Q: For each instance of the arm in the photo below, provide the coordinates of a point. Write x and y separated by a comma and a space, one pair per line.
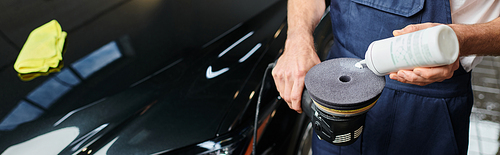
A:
479, 39
299, 55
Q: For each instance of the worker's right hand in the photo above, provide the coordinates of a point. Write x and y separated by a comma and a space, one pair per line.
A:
290, 70
423, 75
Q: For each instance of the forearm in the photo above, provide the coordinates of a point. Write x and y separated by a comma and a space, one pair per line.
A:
479, 39
303, 16
299, 54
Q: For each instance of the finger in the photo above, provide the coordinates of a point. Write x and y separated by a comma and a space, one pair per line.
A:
281, 88
394, 76
413, 28
405, 30
421, 83
399, 76
296, 94
435, 73
456, 65
278, 81
425, 75
397, 32
411, 77
288, 84
438, 73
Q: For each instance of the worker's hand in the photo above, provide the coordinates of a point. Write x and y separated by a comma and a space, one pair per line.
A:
423, 75
290, 70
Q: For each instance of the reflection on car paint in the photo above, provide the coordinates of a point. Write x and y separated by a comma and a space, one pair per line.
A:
222, 35
278, 32
42, 97
48, 93
97, 60
24, 112
156, 73
210, 145
250, 53
75, 111
67, 77
104, 150
86, 137
139, 137
211, 74
49, 143
236, 43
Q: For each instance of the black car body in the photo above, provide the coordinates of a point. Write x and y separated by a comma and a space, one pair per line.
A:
150, 77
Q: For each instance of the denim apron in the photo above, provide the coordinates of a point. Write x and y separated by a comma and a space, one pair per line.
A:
407, 119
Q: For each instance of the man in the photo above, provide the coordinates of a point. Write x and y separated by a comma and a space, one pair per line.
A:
421, 111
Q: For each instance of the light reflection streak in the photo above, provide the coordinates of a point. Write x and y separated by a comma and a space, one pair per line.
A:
251, 95
236, 94
67, 77
236, 43
252, 51
210, 145
279, 31
97, 60
75, 111
87, 136
156, 73
222, 35
48, 93
210, 74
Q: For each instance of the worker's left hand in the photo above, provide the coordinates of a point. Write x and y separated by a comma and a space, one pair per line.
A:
423, 75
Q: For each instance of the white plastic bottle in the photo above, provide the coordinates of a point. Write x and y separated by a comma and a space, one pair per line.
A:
435, 46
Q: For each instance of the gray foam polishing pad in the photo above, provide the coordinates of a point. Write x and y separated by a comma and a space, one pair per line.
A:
338, 84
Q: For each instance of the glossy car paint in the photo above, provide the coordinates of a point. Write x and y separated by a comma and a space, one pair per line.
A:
147, 77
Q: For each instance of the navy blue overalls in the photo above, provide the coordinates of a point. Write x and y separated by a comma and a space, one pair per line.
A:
407, 119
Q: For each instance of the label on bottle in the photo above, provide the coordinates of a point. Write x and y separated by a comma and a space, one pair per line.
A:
411, 50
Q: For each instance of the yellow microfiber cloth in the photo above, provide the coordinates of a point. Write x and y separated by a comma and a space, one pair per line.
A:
42, 50
31, 76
